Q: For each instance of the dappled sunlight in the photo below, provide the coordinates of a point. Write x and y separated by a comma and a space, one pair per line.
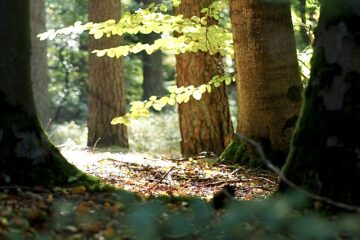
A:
152, 175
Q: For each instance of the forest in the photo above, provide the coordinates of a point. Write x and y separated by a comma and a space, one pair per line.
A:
179, 119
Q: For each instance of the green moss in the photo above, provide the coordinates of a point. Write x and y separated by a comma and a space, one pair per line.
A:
241, 153
323, 156
29, 159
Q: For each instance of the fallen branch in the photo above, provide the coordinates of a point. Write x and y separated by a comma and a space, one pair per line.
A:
162, 179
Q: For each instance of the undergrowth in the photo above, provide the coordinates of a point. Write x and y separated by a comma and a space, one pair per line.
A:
158, 134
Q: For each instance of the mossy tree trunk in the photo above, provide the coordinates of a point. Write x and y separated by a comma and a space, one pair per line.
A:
205, 125
325, 150
268, 81
106, 83
27, 157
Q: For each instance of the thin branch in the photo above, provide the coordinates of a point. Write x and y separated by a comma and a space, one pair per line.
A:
160, 181
275, 169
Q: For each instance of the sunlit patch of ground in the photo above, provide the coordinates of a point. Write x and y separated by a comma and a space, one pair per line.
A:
152, 175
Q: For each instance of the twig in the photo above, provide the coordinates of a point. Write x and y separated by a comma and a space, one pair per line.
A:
223, 182
256, 187
265, 179
161, 179
275, 169
236, 170
48, 125
96, 142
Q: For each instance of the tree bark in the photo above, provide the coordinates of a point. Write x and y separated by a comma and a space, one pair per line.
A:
106, 84
27, 157
152, 66
268, 81
303, 29
153, 80
39, 67
205, 125
324, 156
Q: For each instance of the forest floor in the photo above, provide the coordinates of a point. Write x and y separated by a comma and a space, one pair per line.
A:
151, 175
74, 213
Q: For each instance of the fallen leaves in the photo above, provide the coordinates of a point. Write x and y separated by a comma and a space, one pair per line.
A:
27, 211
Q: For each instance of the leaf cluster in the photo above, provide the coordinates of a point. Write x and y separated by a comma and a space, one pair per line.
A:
177, 95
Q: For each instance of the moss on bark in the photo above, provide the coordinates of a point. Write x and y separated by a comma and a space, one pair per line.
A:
325, 151
239, 152
27, 156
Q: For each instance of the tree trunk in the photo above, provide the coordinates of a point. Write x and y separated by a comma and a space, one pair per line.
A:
152, 66
27, 157
205, 125
303, 29
106, 84
153, 80
325, 155
268, 81
39, 67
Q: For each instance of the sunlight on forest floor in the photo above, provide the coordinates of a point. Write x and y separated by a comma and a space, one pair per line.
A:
153, 164
151, 175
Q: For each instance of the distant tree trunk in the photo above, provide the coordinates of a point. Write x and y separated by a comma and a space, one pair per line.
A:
325, 150
39, 67
106, 84
153, 83
303, 29
205, 125
268, 81
152, 66
27, 157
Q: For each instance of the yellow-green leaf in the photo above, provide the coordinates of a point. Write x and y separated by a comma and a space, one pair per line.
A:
228, 81
117, 120
157, 106
171, 101
153, 98
98, 34
180, 98
197, 95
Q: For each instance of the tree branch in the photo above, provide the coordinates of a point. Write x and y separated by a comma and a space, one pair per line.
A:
265, 160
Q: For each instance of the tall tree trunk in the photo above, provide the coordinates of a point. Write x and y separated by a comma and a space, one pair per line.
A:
325, 150
303, 29
39, 67
106, 84
268, 81
153, 80
27, 157
152, 66
205, 125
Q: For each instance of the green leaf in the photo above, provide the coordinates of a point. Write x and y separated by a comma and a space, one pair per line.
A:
180, 98
163, 8
197, 95
153, 98
157, 106
172, 89
98, 34
228, 81
208, 88
171, 101
117, 120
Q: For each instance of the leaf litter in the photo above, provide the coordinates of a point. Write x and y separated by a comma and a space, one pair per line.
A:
30, 212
